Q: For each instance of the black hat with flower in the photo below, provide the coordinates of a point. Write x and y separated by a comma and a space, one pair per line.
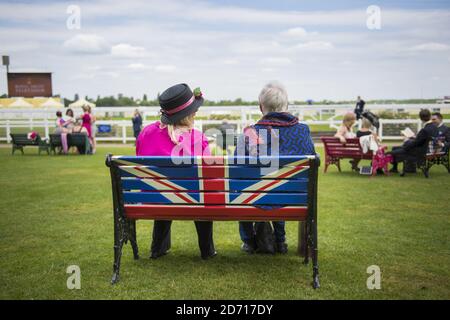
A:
178, 102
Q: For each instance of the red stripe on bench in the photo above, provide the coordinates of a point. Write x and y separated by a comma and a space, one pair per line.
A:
167, 185
215, 213
213, 185
284, 175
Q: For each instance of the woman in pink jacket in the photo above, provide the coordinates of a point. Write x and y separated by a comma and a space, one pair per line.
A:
175, 135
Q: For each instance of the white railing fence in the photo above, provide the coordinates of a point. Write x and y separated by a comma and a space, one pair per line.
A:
244, 113
121, 130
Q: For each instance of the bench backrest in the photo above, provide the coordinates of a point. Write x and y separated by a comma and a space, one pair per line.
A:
55, 139
214, 188
77, 139
352, 148
21, 139
72, 138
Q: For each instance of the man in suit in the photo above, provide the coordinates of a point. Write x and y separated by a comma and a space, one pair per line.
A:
443, 130
414, 149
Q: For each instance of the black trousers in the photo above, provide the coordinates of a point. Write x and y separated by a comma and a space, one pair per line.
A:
161, 237
401, 155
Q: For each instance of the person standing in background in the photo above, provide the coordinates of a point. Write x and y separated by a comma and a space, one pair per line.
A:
93, 130
359, 108
86, 123
137, 123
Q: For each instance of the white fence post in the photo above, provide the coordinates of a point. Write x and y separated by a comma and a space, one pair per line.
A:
47, 136
8, 132
380, 130
124, 133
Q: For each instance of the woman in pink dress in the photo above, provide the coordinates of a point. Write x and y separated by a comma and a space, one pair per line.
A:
86, 119
175, 135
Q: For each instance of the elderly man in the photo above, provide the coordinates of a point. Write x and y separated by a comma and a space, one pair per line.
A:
292, 138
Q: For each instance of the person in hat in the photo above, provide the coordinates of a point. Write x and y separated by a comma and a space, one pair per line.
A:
174, 135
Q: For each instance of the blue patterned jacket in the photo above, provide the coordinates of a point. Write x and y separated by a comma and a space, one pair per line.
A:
294, 138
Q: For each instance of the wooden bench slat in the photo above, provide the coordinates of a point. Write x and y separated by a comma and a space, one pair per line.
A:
215, 213
199, 198
300, 185
210, 172
163, 161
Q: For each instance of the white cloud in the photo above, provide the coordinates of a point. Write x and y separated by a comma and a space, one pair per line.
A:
87, 43
295, 33
268, 69
125, 50
165, 68
110, 74
315, 46
431, 46
230, 62
276, 61
138, 66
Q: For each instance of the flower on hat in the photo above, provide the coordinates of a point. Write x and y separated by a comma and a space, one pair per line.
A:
198, 93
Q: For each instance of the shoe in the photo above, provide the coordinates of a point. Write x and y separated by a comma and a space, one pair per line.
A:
210, 256
281, 247
156, 255
248, 248
393, 170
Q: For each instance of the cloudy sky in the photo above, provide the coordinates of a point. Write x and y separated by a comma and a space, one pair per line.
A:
318, 49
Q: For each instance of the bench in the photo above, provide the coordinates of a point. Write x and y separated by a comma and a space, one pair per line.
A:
20, 140
214, 189
78, 140
335, 151
437, 157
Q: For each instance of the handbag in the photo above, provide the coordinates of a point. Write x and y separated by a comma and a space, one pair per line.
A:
265, 238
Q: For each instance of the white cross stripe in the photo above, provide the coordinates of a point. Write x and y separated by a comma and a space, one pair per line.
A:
261, 184
158, 185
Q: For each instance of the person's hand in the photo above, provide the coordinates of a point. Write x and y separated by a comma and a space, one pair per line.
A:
342, 139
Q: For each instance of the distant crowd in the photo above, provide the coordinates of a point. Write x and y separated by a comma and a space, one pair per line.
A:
434, 136
68, 124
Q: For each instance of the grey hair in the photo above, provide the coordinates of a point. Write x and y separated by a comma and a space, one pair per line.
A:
273, 98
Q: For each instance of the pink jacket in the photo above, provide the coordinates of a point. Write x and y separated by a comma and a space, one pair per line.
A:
154, 141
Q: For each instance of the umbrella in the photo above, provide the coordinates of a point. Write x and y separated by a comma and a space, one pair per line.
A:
50, 103
20, 103
81, 102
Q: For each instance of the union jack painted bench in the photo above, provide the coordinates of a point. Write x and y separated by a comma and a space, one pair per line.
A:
214, 189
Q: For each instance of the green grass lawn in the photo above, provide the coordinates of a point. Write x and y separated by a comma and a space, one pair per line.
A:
56, 211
